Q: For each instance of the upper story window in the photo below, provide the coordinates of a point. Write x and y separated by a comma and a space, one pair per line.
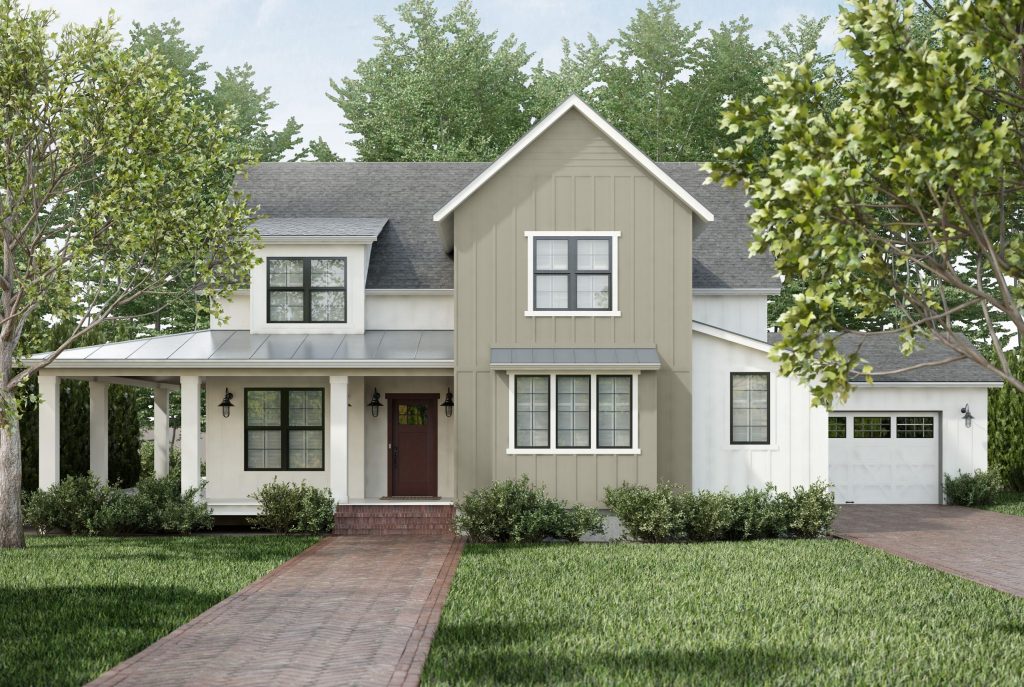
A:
573, 273
306, 290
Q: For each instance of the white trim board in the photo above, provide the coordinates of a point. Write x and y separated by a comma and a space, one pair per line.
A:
530, 277
732, 337
570, 103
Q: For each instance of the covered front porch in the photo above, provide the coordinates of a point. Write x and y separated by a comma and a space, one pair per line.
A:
369, 421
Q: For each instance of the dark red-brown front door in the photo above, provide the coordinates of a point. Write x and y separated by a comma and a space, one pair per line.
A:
412, 444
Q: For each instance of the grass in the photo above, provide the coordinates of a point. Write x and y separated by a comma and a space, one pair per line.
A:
768, 612
1009, 502
73, 607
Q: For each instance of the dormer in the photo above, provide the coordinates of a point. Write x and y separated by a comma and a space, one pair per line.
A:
311, 277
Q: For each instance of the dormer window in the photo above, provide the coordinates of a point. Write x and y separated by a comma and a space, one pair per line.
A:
573, 273
306, 290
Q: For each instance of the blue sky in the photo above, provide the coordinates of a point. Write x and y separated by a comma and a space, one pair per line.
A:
296, 46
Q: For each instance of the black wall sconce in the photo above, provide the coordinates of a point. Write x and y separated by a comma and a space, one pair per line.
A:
449, 403
226, 405
375, 403
966, 410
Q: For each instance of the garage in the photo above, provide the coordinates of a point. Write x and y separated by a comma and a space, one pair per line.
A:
885, 457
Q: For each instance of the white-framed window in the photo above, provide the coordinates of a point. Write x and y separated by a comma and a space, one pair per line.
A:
572, 273
573, 413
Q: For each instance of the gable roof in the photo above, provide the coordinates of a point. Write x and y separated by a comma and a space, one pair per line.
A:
409, 254
882, 351
574, 103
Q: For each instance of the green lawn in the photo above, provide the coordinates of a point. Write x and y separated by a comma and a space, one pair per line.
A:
769, 612
1009, 502
72, 607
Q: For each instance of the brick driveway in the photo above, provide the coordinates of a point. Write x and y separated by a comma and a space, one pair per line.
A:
347, 611
980, 545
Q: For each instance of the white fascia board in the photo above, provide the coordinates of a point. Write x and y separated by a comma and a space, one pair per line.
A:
570, 103
731, 337
410, 292
928, 385
172, 365
737, 292
333, 240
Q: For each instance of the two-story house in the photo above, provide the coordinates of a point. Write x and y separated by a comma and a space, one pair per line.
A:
572, 311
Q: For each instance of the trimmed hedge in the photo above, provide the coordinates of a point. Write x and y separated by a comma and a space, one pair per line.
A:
516, 511
81, 505
286, 507
669, 513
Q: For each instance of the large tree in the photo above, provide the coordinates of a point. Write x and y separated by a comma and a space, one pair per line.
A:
906, 196
112, 185
439, 88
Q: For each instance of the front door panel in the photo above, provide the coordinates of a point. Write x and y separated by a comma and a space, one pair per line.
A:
412, 424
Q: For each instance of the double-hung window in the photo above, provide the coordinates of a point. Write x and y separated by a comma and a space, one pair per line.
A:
306, 290
556, 413
572, 273
284, 429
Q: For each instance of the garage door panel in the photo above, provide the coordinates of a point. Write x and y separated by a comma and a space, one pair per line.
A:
885, 470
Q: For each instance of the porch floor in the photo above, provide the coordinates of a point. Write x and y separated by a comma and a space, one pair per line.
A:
356, 611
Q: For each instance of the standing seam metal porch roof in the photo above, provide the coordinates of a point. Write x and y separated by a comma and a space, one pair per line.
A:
229, 348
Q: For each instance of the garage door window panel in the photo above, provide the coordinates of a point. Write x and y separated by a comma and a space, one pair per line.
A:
869, 427
837, 427
918, 427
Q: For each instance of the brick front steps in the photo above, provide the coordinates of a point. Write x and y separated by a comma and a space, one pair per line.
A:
373, 519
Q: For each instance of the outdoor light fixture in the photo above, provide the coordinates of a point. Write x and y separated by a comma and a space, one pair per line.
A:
966, 410
375, 403
226, 405
449, 403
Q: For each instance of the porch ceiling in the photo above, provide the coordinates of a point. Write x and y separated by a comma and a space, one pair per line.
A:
221, 348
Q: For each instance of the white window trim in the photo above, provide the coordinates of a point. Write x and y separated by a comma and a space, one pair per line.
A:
613, 235
552, 425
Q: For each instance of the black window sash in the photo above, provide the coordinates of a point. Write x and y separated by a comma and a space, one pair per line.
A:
307, 290
767, 414
597, 400
572, 272
284, 428
590, 407
515, 410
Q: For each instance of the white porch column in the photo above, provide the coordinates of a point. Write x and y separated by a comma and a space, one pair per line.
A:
49, 430
190, 428
99, 419
161, 454
337, 451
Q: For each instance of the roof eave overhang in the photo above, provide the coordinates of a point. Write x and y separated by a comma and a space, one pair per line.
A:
86, 363
338, 240
575, 103
927, 385
589, 367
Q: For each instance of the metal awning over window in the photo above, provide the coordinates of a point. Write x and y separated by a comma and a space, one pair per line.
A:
575, 358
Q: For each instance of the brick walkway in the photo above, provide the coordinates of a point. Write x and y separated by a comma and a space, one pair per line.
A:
980, 545
347, 611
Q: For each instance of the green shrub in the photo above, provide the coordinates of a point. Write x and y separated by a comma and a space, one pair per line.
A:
707, 515
81, 505
517, 511
287, 507
810, 511
652, 515
979, 488
70, 505
670, 513
759, 514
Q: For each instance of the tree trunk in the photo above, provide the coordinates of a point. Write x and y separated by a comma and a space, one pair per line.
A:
12, 531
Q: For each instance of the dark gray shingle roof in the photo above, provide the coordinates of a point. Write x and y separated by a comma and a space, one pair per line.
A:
882, 352
316, 227
408, 253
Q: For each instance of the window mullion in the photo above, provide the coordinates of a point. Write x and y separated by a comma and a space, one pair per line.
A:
285, 460
593, 412
552, 414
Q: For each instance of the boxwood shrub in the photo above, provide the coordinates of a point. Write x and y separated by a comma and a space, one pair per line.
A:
82, 505
285, 507
517, 511
671, 513
978, 488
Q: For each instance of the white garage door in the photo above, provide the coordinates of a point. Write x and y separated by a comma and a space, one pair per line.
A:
884, 457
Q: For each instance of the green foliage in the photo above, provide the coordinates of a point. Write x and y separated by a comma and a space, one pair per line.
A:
1006, 427
670, 513
890, 194
75, 607
438, 88
516, 511
1009, 502
978, 488
817, 612
318, 151
287, 507
81, 505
